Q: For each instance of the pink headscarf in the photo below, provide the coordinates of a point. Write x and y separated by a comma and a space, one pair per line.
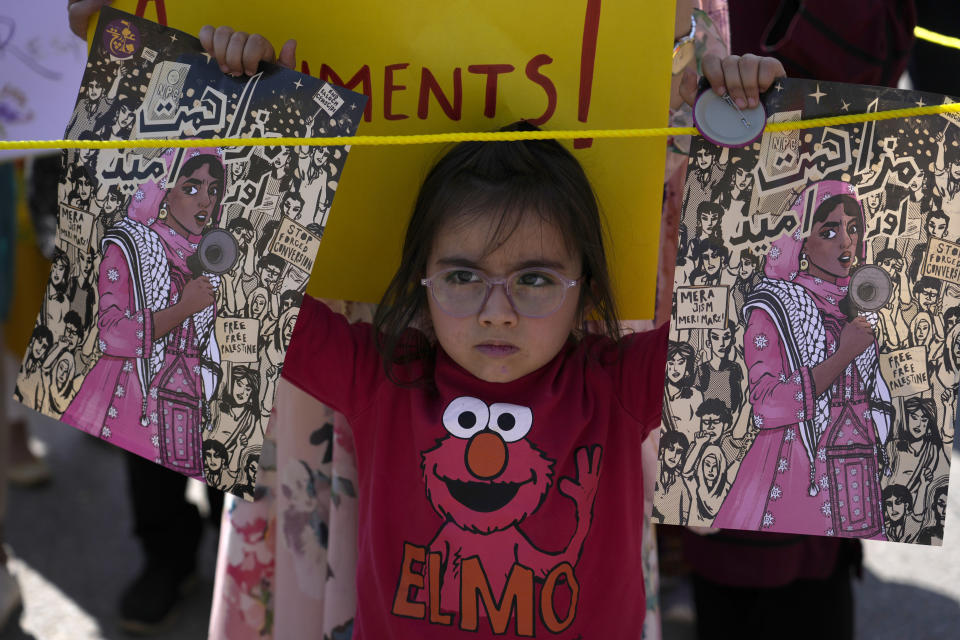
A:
145, 204
783, 259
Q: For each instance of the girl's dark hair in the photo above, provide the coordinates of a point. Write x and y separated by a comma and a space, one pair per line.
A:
502, 182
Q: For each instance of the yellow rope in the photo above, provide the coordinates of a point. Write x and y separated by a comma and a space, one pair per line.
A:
462, 137
936, 38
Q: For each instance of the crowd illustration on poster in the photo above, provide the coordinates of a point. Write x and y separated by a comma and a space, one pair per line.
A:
179, 273
812, 367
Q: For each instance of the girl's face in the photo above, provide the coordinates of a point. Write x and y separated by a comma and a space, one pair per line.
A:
320, 155
940, 507
676, 368
87, 156
936, 227
497, 344
280, 160
712, 261
124, 118
672, 455
39, 347
58, 272
241, 390
922, 331
83, 188
742, 179
894, 508
747, 269
832, 245
63, 370
111, 204
708, 222
288, 329
956, 350
710, 469
257, 305
193, 199
916, 424
292, 208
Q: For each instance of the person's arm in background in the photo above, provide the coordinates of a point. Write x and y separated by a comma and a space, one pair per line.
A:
80, 12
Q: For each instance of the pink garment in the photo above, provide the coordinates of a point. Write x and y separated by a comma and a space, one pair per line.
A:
773, 488
110, 403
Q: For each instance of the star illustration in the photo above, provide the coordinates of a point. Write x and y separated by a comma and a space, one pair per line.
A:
173, 37
298, 84
920, 102
844, 105
817, 94
779, 86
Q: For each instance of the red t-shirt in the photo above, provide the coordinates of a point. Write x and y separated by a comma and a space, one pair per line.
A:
484, 508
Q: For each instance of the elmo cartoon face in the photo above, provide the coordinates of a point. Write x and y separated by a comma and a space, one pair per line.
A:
485, 476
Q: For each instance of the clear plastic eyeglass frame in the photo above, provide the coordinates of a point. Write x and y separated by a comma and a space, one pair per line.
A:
490, 283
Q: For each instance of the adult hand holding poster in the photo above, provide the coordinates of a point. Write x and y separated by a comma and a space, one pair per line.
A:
825, 404
179, 272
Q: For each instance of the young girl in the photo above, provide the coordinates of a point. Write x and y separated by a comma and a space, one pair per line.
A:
497, 445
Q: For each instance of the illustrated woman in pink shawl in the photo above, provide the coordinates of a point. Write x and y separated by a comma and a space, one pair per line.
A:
819, 403
147, 391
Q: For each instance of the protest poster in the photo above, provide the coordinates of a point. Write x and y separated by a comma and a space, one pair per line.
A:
116, 351
824, 403
567, 66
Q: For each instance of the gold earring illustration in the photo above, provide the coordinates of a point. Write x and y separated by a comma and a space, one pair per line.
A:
163, 210
804, 264
854, 260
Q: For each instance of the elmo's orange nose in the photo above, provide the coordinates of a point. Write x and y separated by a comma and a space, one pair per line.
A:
486, 456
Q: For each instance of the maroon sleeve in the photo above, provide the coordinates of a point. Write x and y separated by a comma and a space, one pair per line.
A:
334, 361
643, 365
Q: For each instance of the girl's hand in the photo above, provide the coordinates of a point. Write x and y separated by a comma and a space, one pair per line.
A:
743, 77
80, 11
239, 53
197, 295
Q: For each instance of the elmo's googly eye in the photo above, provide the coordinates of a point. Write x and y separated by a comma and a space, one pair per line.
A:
466, 416
511, 421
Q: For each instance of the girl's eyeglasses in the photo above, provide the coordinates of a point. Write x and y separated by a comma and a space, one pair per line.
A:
533, 293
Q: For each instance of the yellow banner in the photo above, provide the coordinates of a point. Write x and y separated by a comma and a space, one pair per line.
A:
474, 65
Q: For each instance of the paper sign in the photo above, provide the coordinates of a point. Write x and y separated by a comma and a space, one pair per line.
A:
74, 226
237, 338
701, 308
296, 245
905, 371
943, 260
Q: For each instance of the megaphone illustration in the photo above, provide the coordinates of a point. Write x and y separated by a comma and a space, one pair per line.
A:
216, 254
869, 290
